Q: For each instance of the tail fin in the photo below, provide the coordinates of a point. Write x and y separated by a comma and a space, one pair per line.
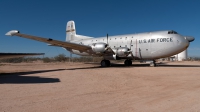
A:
71, 31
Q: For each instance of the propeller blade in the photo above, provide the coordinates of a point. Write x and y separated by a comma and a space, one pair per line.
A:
130, 44
107, 38
132, 54
130, 50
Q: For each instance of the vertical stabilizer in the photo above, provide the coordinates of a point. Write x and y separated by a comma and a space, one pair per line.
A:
70, 31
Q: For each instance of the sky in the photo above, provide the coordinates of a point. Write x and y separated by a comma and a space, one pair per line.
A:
96, 18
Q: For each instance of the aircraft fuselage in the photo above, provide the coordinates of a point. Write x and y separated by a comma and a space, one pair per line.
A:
151, 45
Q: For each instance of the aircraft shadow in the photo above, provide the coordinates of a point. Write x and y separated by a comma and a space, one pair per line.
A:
20, 78
113, 65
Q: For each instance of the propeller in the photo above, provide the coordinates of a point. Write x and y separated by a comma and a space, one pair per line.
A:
108, 48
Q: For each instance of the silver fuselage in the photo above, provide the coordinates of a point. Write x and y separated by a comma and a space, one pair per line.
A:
151, 45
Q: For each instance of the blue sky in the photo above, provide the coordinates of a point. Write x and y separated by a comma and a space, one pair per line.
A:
48, 18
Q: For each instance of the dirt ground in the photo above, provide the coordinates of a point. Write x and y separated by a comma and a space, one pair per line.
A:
85, 87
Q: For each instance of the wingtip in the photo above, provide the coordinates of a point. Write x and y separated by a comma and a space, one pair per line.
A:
12, 32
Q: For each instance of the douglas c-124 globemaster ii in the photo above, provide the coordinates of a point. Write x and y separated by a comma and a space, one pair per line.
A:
141, 46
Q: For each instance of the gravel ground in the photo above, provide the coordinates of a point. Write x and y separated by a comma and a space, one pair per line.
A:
86, 87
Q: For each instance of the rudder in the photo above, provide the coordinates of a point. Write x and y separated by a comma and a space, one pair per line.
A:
70, 31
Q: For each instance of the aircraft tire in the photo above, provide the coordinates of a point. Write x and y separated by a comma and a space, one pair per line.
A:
128, 62
105, 63
108, 63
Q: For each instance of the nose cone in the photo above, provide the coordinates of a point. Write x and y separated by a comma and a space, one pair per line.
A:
189, 38
186, 43
183, 42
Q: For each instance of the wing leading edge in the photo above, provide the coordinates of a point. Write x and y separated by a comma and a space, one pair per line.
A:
67, 45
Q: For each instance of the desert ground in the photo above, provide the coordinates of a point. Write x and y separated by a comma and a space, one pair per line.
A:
86, 87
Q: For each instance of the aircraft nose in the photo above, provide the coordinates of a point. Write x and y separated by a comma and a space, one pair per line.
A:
189, 38
186, 42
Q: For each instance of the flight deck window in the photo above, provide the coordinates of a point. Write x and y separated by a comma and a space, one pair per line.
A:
172, 32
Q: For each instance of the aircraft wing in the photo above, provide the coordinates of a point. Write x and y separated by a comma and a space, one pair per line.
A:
52, 42
14, 55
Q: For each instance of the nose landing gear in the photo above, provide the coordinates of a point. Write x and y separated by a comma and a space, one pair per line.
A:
153, 63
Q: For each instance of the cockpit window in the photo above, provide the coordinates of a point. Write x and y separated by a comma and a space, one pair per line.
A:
172, 32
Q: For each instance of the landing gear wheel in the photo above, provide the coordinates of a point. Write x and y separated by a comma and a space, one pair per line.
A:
105, 63
108, 62
128, 62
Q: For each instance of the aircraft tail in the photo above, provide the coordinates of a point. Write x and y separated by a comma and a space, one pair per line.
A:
71, 32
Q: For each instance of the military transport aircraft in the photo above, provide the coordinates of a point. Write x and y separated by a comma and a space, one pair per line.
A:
141, 46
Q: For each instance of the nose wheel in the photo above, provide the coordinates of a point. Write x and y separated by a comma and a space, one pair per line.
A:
128, 62
105, 63
153, 64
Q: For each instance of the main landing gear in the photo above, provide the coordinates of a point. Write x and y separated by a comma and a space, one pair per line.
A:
128, 62
105, 63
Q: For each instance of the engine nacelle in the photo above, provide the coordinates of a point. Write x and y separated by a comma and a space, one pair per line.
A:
122, 51
99, 47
